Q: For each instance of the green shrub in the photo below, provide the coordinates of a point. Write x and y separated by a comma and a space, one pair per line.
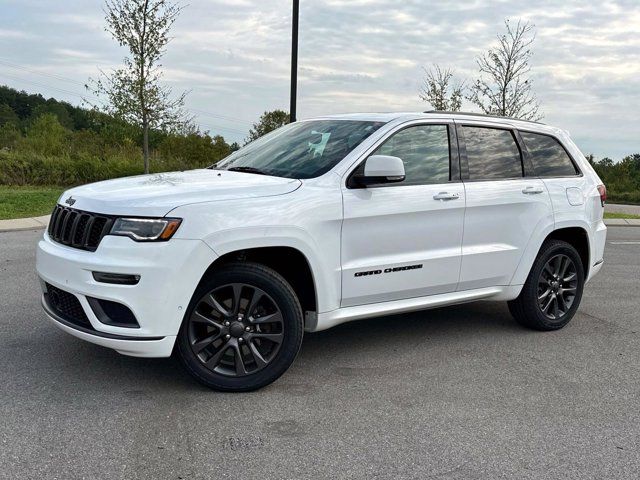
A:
47, 142
622, 178
47, 136
193, 150
624, 197
31, 168
9, 136
49, 154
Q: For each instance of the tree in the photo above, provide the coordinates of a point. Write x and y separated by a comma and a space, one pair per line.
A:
46, 136
268, 122
591, 158
438, 90
8, 116
504, 87
56, 109
195, 150
133, 92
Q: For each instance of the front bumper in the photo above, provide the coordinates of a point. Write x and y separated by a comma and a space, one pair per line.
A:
169, 273
132, 346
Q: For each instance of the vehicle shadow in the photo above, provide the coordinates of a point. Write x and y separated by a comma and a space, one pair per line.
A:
89, 367
438, 324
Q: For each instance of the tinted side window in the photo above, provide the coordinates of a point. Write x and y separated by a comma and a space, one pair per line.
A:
548, 157
492, 153
424, 149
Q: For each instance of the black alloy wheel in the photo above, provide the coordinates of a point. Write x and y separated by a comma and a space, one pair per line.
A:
236, 329
557, 287
552, 292
243, 328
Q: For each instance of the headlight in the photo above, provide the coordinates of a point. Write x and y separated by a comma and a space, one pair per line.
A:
146, 229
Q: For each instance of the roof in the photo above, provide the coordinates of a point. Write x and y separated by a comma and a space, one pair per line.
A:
461, 116
481, 115
368, 116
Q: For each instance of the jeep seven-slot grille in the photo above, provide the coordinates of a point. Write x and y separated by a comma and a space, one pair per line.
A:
78, 229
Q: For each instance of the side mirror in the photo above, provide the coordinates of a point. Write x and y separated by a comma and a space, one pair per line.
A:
379, 169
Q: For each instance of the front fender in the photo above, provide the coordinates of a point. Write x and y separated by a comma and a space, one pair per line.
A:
308, 220
326, 276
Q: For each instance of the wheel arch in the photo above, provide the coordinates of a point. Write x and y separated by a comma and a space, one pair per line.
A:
579, 239
288, 261
321, 256
576, 235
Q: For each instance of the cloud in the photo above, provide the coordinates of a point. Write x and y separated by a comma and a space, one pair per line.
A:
15, 34
233, 56
93, 21
69, 53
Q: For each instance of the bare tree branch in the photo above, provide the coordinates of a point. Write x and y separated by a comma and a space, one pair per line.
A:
503, 87
438, 90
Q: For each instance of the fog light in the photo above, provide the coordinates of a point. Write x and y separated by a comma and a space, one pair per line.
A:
116, 278
113, 313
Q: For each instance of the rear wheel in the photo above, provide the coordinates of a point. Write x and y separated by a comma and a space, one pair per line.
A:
242, 330
552, 293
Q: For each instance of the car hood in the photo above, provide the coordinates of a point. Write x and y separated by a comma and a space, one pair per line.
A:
157, 194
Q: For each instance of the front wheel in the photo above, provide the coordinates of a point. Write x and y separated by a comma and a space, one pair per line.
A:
242, 330
552, 293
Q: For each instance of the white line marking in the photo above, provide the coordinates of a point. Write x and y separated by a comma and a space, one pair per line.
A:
624, 243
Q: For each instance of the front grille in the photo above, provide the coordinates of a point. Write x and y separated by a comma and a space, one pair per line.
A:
67, 306
78, 229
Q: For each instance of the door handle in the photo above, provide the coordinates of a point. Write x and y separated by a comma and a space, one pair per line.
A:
532, 190
446, 196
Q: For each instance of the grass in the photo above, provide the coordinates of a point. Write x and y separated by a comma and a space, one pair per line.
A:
620, 215
19, 202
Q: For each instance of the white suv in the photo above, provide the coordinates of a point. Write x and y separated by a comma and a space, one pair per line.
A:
319, 223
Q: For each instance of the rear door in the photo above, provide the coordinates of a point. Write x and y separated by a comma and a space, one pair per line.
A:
403, 240
504, 206
553, 164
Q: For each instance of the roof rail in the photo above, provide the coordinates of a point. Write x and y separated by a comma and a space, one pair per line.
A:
471, 114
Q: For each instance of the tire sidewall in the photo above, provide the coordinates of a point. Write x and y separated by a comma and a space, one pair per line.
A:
293, 327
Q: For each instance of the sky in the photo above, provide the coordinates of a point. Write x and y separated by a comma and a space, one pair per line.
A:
233, 56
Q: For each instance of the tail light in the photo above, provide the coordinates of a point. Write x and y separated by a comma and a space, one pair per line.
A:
602, 190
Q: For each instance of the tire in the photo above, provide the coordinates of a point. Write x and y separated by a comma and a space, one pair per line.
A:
242, 330
545, 288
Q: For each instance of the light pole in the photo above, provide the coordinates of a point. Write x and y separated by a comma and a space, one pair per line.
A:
294, 60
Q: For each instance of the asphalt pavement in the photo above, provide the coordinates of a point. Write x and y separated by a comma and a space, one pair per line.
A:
454, 393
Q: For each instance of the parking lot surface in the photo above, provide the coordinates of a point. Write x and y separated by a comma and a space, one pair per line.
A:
454, 393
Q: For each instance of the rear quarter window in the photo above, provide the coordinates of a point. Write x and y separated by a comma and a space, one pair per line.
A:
549, 158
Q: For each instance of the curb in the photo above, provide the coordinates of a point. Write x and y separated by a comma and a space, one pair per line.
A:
622, 222
36, 223
30, 223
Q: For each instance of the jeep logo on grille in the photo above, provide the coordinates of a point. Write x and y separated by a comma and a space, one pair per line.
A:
70, 201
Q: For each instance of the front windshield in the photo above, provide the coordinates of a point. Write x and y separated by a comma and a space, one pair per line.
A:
300, 150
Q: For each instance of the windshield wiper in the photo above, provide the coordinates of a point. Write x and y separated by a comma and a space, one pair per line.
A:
247, 170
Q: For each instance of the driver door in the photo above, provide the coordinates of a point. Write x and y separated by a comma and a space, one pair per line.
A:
403, 240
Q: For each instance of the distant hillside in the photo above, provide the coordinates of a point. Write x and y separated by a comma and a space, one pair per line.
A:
19, 107
51, 142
